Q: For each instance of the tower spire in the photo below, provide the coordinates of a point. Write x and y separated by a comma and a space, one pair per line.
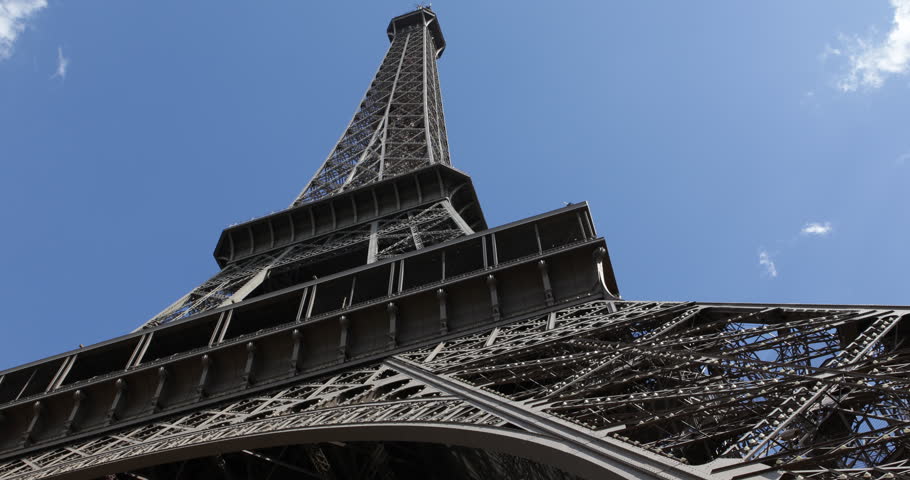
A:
399, 125
386, 188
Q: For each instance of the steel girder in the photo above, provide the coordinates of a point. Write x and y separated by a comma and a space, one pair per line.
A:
389, 236
654, 389
521, 359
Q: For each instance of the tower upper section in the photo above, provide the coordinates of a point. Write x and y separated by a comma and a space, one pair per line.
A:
399, 125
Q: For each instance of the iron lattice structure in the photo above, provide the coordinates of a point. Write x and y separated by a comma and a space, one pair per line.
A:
378, 329
399, 125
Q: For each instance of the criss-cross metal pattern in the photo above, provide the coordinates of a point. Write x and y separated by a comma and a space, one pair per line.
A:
399, 125
667, 390
409, 230
820, 393
376, 393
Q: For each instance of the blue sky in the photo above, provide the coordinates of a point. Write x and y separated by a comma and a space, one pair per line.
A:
731, 151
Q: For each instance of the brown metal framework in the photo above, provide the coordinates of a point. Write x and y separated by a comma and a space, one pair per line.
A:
378, 329
399, 126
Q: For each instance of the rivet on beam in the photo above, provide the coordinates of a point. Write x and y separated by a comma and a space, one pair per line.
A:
203, 377
494, 297
113, 412
27, 438
78, 397
443, 313
343, 343
392, 310
545, 277
159, 390
294, 362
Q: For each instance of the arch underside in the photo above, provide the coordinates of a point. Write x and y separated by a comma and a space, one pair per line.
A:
381, 451
355, 460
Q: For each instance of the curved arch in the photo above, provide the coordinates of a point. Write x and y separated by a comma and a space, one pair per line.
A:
545, 450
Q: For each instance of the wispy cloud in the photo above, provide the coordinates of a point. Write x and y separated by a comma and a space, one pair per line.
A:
817, 229
903, 159
830, 52
62, 64
765, 260
13, 14
871, 62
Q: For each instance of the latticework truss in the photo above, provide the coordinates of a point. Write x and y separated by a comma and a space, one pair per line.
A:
821, 393
811, 392
399, 125
369, 332
409, 230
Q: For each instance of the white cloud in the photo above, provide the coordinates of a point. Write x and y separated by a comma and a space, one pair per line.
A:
817, 229
13, 14
62, 63
830, 52
764, 259
872, 62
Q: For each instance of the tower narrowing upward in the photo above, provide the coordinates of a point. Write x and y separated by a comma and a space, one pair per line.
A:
376, 328
399, 125
386, 188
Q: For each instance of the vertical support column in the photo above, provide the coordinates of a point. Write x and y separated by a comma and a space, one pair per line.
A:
350, 298
494, 297
159, 390
70, 422
392, 310
113, 413
400, 275
201, 391
28, 436
302, 304
294, 362
309, 308
373, 249
483, 248
343, 341
443, 314
545, 278
391, 279
247, 376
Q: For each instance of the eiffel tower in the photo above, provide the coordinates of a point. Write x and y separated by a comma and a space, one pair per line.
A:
378, 328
